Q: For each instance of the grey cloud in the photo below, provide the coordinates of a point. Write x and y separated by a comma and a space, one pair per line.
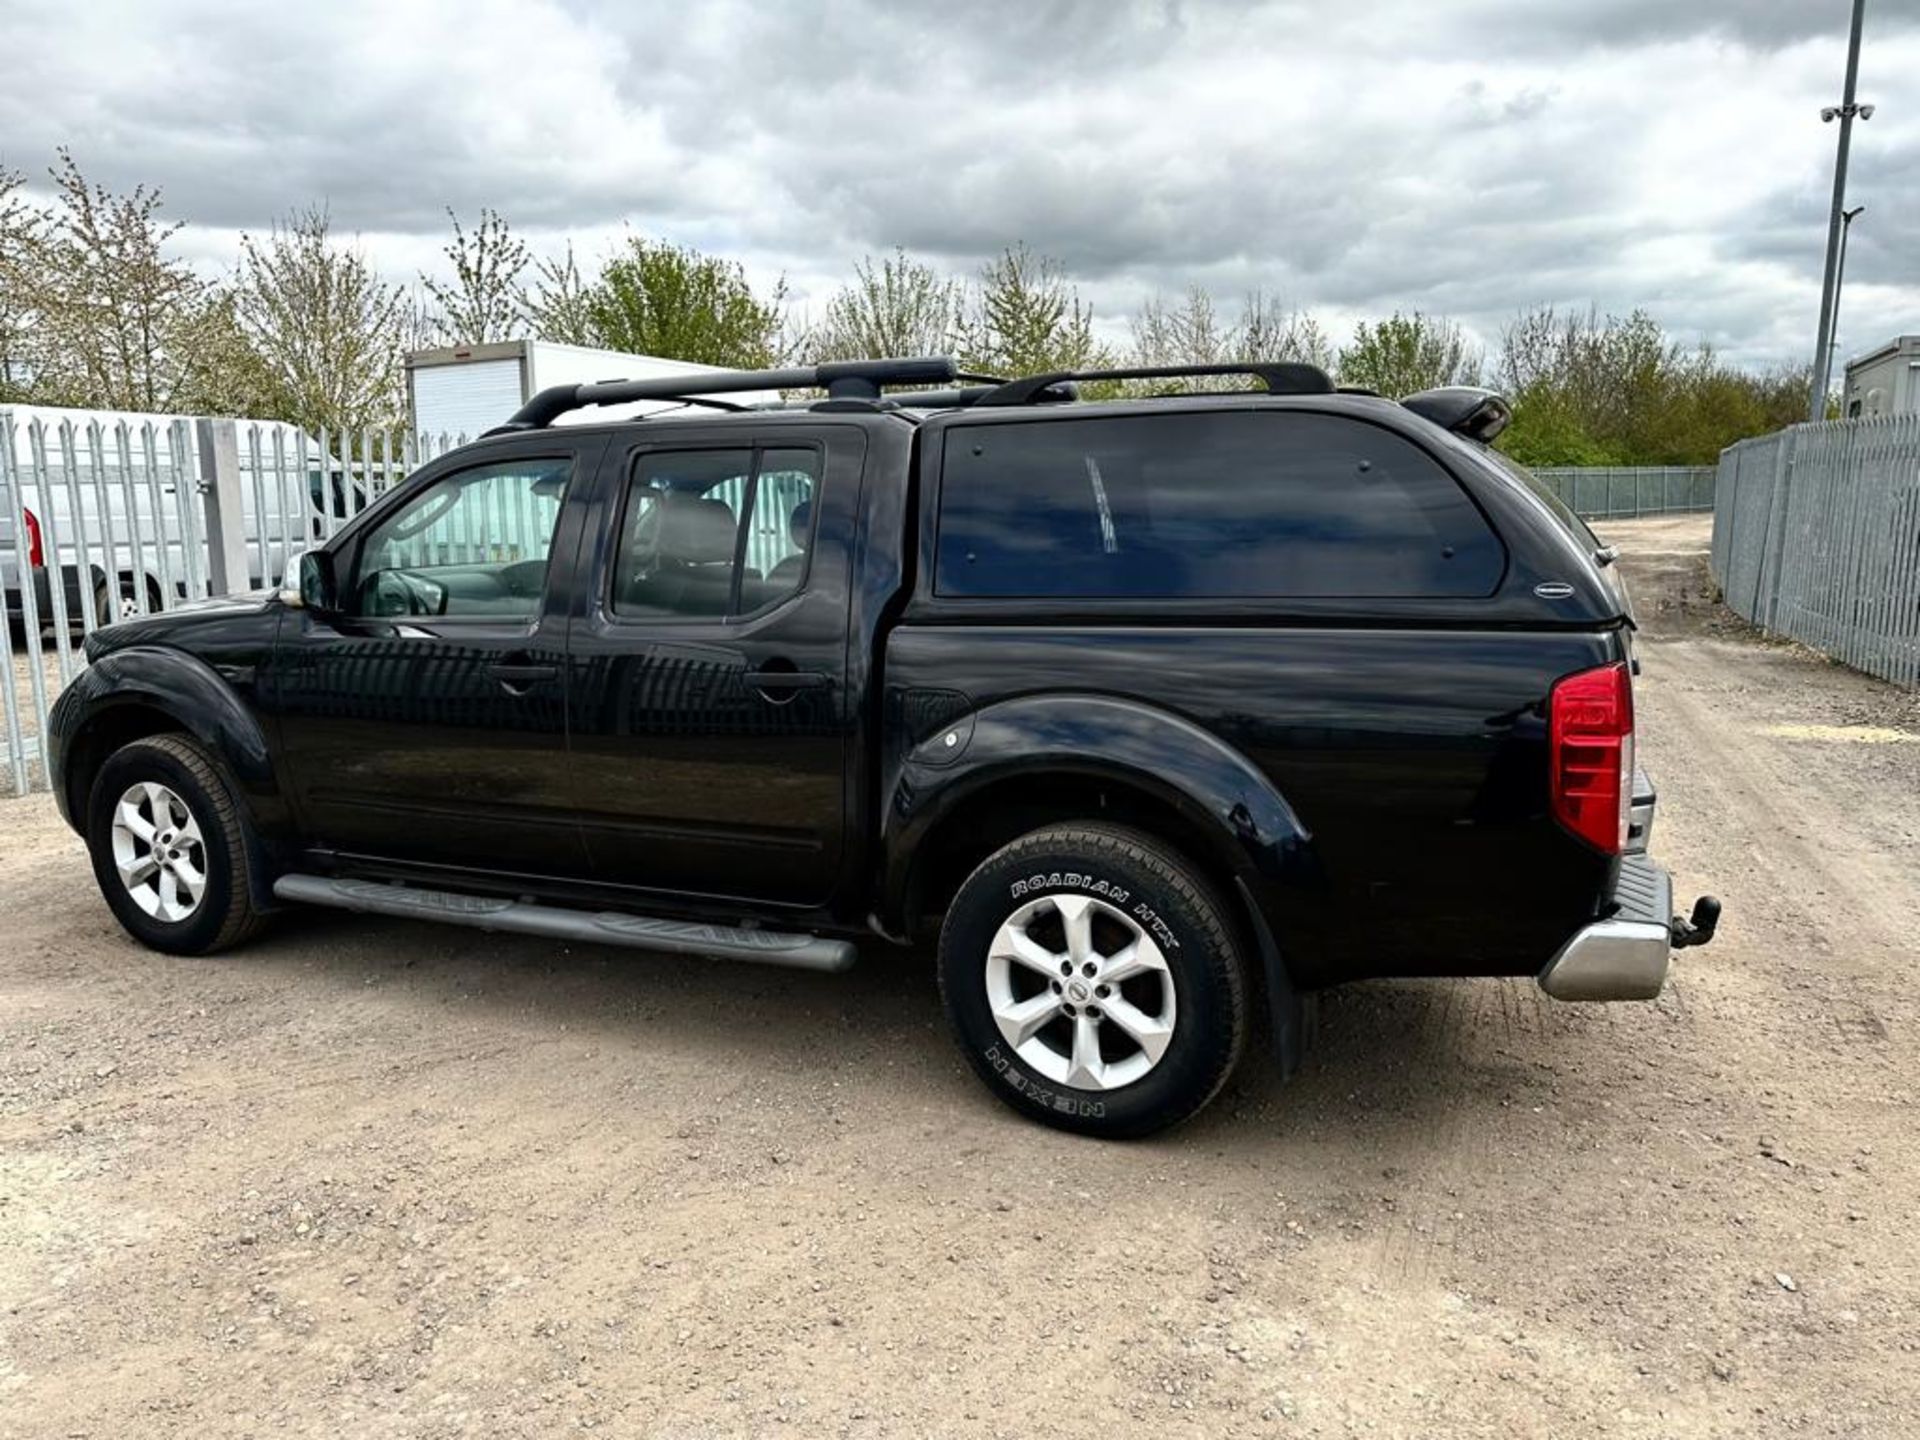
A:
1473, 158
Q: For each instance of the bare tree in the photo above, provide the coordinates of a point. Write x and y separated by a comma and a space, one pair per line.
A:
482, 302
1269, 331
558, 305
1191, 332
22, 234
896, 305
329, 329
420, 324
1186, 333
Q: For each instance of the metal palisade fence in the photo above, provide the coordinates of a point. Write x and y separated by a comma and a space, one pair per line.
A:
1621, 492
1816, 535
108, 516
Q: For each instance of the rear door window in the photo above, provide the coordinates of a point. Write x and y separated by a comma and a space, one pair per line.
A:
1236, 505
714, 533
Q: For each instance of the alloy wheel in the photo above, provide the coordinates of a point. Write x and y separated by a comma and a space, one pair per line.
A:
158, 851
1081, 992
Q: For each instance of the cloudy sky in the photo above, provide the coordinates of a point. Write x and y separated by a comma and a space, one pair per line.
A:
1350, 156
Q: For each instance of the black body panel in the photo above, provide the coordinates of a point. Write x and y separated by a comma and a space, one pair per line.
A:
1414, 761
405, 739
717, 757
1371, 772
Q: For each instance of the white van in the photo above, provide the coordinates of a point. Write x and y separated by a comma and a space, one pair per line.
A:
112, 498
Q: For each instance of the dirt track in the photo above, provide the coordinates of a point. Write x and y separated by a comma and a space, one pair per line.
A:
370, 1179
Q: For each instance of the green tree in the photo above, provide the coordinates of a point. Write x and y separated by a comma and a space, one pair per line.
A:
329, 330
222, 372
667, 300
1589, 389
1405, 354
482, 303
1026, 319
896, 305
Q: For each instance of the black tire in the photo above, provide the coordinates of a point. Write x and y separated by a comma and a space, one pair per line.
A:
224, 914
1159, 894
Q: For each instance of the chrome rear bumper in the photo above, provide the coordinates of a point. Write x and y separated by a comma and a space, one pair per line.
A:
1624, 956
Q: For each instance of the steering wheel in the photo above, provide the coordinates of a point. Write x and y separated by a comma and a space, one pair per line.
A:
395, 592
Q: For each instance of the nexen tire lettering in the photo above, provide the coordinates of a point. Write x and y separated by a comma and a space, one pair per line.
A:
1034, 1090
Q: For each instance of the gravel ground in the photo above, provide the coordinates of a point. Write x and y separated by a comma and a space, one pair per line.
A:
377, 1179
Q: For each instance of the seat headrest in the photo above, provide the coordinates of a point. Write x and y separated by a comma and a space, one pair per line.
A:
694, 530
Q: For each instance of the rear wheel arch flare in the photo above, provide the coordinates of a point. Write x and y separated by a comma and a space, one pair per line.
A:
1045, 758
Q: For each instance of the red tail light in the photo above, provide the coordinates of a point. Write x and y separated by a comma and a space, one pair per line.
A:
36, 556
1591, 735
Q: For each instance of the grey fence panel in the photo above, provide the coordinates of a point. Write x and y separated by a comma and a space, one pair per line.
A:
1622, 492
1816, 535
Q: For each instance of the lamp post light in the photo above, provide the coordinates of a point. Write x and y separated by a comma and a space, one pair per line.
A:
1844, 112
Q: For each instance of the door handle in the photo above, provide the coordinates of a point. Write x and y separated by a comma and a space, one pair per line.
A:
517, 674
788, 679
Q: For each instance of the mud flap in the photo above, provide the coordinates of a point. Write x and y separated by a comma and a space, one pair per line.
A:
1293, 1016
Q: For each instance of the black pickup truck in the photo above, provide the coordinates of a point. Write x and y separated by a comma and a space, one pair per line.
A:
1165, 712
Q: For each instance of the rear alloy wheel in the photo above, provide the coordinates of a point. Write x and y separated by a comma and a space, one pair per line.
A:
1092, 980
170, 847
1081, 992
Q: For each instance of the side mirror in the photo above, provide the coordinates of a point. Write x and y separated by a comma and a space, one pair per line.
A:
316, 590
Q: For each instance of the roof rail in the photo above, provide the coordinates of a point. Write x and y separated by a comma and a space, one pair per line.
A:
841, 379
1281, 378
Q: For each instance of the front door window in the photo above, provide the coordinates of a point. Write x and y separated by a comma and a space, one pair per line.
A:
474, 545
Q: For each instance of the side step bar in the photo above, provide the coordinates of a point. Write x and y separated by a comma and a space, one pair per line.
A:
521, 917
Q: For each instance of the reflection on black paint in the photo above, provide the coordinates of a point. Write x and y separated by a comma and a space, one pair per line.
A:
414, 681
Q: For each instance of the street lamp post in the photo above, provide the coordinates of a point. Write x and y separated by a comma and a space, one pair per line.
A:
1840, 280
1844, 112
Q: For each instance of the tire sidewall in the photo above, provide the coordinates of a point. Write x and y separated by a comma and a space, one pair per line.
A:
1207, 1010
134, 763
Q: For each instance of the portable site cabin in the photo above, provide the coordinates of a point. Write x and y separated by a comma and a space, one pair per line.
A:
1885, 381
465, 391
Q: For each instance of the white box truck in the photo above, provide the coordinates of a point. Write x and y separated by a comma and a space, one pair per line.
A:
463, 392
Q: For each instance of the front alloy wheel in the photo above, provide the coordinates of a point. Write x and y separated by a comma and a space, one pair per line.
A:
172, 847
158, 851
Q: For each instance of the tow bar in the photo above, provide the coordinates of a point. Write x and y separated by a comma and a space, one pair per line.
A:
1697, 929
